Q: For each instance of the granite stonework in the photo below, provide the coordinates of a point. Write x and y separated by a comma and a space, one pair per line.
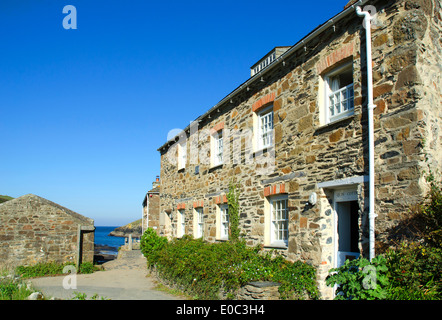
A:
311, 155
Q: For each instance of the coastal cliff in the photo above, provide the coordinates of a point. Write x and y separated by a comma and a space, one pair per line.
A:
133, 228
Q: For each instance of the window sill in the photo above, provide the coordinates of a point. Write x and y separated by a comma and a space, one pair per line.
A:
334, 122
216, 167
276, 245
262, 151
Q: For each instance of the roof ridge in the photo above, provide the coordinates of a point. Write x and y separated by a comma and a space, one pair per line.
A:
74, 214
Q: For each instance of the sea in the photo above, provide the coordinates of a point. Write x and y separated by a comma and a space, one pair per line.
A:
102, 238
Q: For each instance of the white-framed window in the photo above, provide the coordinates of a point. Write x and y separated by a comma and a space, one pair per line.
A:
224, 221
279, 220
339, 93
199, 223
182, 155
181, 224
265, 128
218, 148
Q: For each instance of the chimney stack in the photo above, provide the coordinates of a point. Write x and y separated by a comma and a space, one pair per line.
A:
156, 182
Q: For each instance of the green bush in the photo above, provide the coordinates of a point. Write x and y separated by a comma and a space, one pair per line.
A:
151, 244
415, 272
202, 268
13, 290
359, 279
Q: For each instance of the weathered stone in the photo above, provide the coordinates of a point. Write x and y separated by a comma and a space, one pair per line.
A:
408, 77
380, 40
337, 135
35, 296
411, 147
382, 89
43, 231
411, 26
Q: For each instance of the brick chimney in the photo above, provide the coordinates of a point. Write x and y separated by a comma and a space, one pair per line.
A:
156, 182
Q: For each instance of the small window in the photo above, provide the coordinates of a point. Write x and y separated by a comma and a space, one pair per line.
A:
279, 220
199, 223
182, 155
218, 148
224, 225
181, 224
265, 128
339, 94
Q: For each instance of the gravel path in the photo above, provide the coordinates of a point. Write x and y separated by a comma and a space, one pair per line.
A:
123, 279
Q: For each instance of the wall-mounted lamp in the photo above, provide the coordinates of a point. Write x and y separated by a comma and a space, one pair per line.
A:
313, 198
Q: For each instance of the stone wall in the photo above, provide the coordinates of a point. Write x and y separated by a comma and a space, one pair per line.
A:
33, 230
151, 211
256, 290
311, 155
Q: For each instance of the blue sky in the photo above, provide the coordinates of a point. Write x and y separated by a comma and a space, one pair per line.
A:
83, 112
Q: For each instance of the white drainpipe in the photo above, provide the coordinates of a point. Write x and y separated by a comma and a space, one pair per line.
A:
371, 106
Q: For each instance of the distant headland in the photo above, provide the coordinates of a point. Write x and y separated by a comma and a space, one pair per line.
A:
133, 228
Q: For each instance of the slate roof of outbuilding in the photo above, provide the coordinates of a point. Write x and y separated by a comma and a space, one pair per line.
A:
36, 201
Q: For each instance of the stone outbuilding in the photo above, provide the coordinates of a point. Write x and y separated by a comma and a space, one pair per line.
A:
33, 230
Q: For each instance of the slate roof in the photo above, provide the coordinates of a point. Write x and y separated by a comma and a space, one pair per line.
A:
33, 202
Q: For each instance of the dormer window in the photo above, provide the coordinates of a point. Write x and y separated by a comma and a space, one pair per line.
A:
267, 60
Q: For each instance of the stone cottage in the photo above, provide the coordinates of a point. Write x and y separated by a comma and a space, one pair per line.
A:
33, 230
151, 207
306, 136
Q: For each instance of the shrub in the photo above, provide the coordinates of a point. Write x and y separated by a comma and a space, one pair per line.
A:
415, 272
202, 268
11, 289
359, 279
151, 244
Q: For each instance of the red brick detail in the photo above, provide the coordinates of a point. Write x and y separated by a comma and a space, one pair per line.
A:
198, 204
335, 57
221, 199
218, 127
274, 190
180, 206
263, 101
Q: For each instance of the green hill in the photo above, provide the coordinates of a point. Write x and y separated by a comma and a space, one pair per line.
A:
133, 228
5, 198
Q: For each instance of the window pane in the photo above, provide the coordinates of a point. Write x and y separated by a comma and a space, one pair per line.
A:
280, 220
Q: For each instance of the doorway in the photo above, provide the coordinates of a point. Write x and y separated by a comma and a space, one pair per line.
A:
346, 226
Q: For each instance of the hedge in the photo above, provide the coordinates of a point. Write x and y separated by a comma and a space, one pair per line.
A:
203, 268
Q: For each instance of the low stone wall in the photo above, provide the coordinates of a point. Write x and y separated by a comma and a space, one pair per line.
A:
256, 290
259, 290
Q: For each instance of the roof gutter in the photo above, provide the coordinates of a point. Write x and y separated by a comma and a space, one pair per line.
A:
300, 44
